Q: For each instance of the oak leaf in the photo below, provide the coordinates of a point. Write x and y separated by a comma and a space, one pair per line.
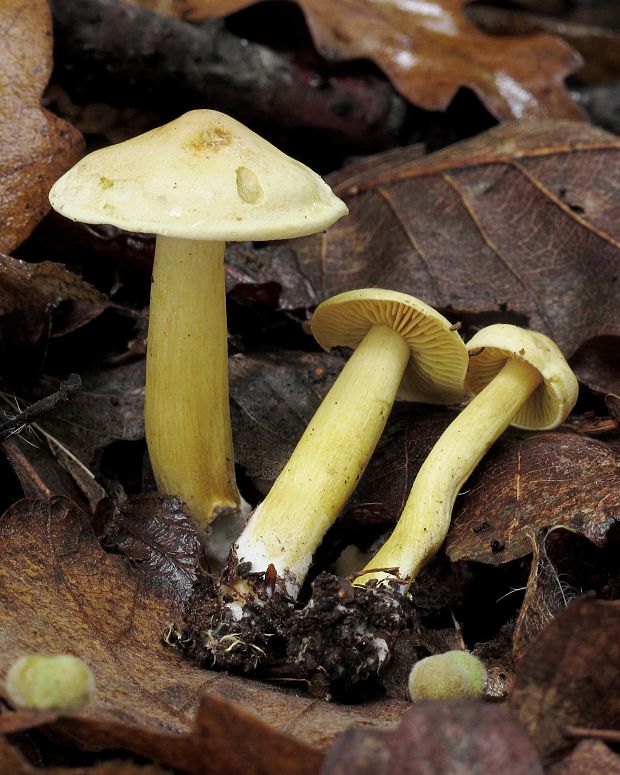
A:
60, 592
36, 147
429, 50
519, 225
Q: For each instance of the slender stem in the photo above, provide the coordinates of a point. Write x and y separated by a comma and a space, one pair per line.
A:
187, 414
328, 461
425, 519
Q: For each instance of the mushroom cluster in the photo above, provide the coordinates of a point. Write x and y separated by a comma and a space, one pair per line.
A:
400, 344
196, 183
518, 377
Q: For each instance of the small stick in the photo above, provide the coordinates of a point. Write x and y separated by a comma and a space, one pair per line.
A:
67, 389
609, 735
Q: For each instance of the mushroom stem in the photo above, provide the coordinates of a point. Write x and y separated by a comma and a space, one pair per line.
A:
187, 414
424, 522
328, 461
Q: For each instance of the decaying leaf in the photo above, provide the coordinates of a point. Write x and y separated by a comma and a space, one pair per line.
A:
570, 674
520, 225
590, 757
109, 408
429, 50
439, 737
272, 401
38, 471
59, 592
546, 594
533, 481
29, 293
13, 762
35, 146
156, 533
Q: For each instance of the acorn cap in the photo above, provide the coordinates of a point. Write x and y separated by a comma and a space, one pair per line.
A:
436, 371
203, 176
552, 401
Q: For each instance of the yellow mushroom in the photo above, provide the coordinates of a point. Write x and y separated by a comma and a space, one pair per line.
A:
520, 378
196, 183
401, 345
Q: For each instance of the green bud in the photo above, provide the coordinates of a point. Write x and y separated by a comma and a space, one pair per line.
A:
445, 676
49, 682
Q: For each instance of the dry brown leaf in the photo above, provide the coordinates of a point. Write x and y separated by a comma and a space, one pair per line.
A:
12, 762
28, 295
530, 482
590, 757
60, 592
546, 594
520, 224
570, 674
429, 50
35, 146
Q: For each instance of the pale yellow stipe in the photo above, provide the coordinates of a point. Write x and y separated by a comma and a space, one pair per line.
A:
329, 459
424, 522
187, 415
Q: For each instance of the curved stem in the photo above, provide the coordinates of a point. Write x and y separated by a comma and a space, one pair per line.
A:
424, 522
187, 415
328, 461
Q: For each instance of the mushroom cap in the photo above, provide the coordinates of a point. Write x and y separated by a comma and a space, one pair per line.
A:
203, 176
436, 370
550, 404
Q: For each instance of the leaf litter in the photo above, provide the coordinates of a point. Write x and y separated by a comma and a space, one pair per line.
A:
115, 606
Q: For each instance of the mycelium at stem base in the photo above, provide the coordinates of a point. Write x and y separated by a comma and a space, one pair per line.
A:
187, 415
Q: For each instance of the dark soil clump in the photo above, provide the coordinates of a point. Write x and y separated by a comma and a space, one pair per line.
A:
342, 639
338, 644
238, 631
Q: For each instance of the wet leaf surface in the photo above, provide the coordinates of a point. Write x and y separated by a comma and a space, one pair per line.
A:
439, 737
570, 674
36, 147
593, 36
428, 60
59, 591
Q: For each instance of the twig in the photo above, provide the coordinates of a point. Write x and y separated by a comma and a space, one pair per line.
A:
16, 424
609, 735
